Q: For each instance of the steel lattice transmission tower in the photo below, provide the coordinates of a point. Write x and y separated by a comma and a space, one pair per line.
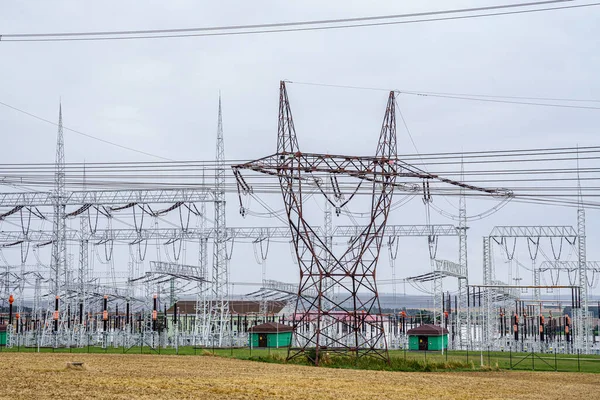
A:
463, 326
59, 229
356, 307
83, 274
320, 269
583, 332
220, 303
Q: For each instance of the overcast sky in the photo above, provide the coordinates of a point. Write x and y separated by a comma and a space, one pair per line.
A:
160, 96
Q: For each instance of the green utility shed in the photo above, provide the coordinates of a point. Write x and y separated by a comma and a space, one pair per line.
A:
271, 334
427, 337
2, 335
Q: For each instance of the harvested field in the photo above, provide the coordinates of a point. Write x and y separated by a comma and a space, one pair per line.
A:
112, 376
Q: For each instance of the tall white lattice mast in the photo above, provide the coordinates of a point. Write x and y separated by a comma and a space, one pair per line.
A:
83, 261
59, 243
220, 306
462, 322
582, 333
203, 325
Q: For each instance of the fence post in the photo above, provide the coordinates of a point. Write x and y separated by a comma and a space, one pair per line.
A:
555, 365
578, 365
510, 357
532, 360
467, 354
489, 362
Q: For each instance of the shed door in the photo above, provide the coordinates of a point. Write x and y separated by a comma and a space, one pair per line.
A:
262, 340
422, 342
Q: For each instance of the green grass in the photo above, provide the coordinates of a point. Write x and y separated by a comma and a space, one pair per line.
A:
400, 360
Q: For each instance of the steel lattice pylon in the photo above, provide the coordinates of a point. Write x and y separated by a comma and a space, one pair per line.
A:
463, 325
59, 245
59, 232
220, 306
352, 273
320, 269
351, 322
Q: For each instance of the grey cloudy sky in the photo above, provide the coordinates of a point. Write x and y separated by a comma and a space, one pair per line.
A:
160, 96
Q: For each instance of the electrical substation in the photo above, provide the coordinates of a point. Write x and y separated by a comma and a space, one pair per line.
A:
139, 254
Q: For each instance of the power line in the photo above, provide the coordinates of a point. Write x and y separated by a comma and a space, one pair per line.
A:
440, 155
84, 134
518, 156
489, 100
472, 97
341, 23
510, 97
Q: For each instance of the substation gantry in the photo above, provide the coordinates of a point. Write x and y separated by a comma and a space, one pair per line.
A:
494, 304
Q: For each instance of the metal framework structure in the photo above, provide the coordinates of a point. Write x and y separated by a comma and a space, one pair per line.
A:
321, 270
220, 308
58, 266
463, 321
337, 306
581, 324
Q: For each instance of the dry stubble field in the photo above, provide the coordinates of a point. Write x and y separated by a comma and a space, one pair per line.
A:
42, 376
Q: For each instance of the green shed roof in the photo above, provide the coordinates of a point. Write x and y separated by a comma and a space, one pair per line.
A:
427, 330
271, 327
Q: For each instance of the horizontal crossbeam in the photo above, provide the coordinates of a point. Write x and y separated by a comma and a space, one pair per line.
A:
400, 230
107, 197
533, 231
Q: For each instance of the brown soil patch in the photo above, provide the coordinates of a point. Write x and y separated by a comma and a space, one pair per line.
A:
44, 376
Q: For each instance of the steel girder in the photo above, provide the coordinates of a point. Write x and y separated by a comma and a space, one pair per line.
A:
107, 197
533, 231
570, 266
401, 230
134, 235
188, 272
